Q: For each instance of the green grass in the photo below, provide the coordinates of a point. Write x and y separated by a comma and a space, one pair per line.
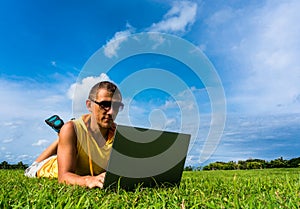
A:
272, 188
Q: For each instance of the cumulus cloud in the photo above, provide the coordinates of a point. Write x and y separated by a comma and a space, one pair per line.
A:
113, 45
78, 92
82, 89
178, 19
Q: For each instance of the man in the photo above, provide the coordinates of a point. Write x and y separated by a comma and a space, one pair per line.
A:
84, 144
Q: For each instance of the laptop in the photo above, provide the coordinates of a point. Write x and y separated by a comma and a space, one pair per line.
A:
143, 157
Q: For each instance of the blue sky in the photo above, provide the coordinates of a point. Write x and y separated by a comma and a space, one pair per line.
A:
45, 48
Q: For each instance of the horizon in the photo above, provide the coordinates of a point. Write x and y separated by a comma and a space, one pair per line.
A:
47, 49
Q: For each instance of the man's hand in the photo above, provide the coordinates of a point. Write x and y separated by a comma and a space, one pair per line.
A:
95, 181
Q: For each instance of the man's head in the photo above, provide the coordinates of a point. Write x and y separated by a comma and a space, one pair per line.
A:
104, 101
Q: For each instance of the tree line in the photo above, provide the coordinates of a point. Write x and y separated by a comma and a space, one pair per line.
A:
248, 164
19, 165
254, 164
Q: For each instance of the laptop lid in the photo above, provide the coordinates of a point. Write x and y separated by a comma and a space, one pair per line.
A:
146, 157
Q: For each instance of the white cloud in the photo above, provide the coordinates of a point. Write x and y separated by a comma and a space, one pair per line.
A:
170, 122
27, 98
83, 88
220, 17
27, 104
40, 142
113, 45
23, 158
157, 38
274, 50
79, 92
7, 140
178, 19
261, 46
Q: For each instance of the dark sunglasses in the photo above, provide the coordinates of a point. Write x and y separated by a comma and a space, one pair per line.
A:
106, 105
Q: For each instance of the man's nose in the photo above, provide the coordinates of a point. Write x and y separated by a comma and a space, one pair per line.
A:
110, 111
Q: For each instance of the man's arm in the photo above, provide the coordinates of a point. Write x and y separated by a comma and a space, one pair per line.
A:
49, 151
66, 156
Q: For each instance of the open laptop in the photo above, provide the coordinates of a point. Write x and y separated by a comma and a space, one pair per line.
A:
146, 158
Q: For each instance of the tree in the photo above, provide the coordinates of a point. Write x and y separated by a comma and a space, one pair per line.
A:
188, 168
231, 165
4, 165
294, 163
278, 163
20, 165
254, 165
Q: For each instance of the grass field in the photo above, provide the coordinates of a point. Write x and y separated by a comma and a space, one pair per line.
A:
270, 188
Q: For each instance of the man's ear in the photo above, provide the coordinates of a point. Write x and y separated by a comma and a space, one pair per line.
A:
88, 104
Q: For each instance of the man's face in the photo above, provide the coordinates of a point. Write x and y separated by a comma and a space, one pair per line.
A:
104, 113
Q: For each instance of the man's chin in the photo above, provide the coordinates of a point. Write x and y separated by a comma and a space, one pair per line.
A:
106, 125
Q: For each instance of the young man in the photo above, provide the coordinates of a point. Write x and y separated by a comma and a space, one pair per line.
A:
81, 153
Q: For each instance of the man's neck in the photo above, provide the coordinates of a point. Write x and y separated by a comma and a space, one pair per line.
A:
98, 132
104, 132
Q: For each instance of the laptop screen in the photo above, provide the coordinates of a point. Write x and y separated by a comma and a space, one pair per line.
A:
146, 157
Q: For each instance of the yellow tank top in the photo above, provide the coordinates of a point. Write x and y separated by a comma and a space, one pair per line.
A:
86, 146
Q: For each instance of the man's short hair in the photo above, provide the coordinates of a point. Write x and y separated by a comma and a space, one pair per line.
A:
107, 85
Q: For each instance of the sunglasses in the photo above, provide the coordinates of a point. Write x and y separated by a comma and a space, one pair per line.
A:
106, 105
